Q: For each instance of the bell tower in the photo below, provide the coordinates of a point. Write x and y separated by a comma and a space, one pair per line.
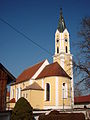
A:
62, 50
62, 45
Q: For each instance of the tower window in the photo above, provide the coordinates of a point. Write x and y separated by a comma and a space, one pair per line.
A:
57, 49
47, 92
66, 49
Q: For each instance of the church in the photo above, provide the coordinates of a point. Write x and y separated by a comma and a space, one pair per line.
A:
45, 85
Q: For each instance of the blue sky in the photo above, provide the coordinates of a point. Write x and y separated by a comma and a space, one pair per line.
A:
38, 19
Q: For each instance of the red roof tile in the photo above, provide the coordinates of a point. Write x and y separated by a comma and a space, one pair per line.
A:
28, 73
53, 69
82, 99
12, 101
33, 86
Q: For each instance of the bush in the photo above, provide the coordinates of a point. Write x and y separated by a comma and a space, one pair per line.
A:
54, 112
22, 110
55, 115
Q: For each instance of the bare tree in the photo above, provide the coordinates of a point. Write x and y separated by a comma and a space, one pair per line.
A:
77, 91
82, 63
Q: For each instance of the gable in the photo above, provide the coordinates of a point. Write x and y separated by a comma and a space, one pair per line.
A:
32, 72
4, 72
33, 86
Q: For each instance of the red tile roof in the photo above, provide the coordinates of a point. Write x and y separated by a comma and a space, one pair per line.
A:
12, 101
33, 86
53, 69
82, 99
28, 73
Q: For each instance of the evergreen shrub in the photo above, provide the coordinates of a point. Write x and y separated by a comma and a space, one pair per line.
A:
22, 110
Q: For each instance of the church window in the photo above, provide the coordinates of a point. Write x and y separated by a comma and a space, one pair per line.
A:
57, 49
20, 92
26, 95
63, 84
66, 49
64, 90
47, 92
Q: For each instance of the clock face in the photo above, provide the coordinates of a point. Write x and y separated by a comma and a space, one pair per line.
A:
65, 40
57, 40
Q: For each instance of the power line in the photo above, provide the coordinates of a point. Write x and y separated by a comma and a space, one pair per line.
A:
25, 36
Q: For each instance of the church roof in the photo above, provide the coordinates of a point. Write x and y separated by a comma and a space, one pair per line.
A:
61, 24
33, 86
28, 73
53, 69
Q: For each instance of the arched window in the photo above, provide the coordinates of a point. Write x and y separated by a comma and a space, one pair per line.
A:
57, 49
64, 90
66, 49
47, 92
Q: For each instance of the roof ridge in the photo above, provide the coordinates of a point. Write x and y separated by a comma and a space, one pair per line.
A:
33, 86
8, 72
52, 64
29, 72
34, 65
59, 65
54, 69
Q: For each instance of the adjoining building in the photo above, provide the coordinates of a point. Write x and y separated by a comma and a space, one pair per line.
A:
45, 85
5, 78
7, 100
82, 101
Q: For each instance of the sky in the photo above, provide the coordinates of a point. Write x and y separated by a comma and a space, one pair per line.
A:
38, 20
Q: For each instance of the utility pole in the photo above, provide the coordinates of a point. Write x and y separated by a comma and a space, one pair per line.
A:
63, 99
